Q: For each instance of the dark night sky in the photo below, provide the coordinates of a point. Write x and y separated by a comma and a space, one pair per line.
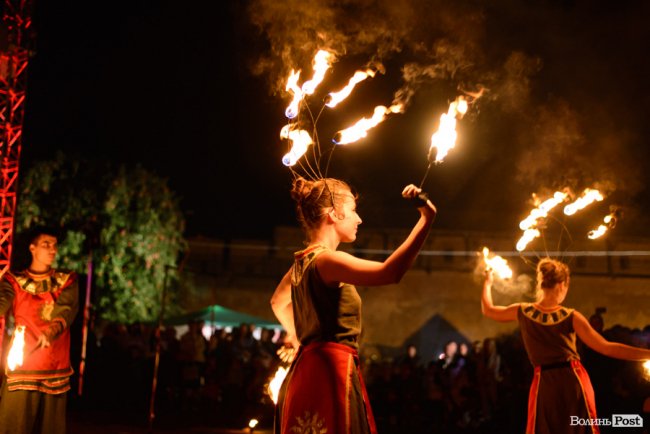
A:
170, 85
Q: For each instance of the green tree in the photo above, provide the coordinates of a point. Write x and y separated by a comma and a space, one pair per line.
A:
127, 217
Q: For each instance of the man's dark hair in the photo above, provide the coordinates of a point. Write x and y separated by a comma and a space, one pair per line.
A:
34, 233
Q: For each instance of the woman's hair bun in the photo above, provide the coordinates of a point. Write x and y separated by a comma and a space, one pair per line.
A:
550, 272
301, 188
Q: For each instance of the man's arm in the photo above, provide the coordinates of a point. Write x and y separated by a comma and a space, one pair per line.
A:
65, 308
7, 294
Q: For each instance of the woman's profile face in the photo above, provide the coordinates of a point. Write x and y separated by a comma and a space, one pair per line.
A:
347, 219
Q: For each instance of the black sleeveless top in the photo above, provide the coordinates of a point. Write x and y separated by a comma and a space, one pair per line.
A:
548, 335
323, 313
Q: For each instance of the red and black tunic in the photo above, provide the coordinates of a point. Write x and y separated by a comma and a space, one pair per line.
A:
44, 304
324, 391
561, 388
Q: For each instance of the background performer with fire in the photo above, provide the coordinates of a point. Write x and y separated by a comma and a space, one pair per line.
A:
320, 308
561, 388
44, 303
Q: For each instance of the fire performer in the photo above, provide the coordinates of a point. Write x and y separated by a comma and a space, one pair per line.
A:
320, 308
561, 392
44, 301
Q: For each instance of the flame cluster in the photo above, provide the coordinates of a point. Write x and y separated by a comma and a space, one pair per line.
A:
442, 140
537, 217
322, 62
531, 223
300, 139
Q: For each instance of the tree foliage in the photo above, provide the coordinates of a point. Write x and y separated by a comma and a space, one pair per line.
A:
127, 217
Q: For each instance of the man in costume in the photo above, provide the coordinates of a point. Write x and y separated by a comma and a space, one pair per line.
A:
44, 301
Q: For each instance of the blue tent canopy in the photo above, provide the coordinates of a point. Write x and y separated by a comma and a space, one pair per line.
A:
222, 317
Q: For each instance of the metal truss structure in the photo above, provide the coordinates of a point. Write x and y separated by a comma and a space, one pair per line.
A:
14, 53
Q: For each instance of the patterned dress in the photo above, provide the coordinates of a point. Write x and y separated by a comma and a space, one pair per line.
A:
561, 389
323, 391
34, 394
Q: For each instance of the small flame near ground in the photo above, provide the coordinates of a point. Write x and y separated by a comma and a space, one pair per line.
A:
15, 357
273, 389
646, 370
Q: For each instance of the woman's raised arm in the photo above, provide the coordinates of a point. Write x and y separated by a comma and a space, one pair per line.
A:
498, 313
336, 266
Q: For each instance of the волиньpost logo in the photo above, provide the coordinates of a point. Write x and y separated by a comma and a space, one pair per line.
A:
617, 421
627, 420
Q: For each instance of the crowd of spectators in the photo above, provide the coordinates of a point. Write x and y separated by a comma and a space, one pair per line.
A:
217, 380
483, 387
478, 387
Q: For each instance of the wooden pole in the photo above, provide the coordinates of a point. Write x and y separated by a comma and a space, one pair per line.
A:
154, 381
84, 329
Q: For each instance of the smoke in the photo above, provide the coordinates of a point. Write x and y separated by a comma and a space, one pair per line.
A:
438, 38
512, 82
559, 150
551, 110
554, 146
447, 61
517, 287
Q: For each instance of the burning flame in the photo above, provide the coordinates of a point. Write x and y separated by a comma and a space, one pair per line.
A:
646, 369
360, 129
274, 386
445, 138
15, 357
529, 224
358, 77
528, 236
253, 423
542, 210
588, 197
497, 263
300, 140
292, 86
322, 62
600, 231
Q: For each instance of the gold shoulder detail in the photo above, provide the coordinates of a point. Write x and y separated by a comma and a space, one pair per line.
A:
61, 277
25, 281
21, 278
545, 318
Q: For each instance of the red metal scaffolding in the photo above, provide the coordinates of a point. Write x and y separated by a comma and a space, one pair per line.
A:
14, 54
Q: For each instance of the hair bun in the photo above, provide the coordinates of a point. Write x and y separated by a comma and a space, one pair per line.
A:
550, 272
301, 188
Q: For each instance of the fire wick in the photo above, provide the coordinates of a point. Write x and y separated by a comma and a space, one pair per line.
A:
426, 173
430, 159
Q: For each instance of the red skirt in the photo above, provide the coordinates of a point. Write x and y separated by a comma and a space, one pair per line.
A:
557, 395
324, 392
